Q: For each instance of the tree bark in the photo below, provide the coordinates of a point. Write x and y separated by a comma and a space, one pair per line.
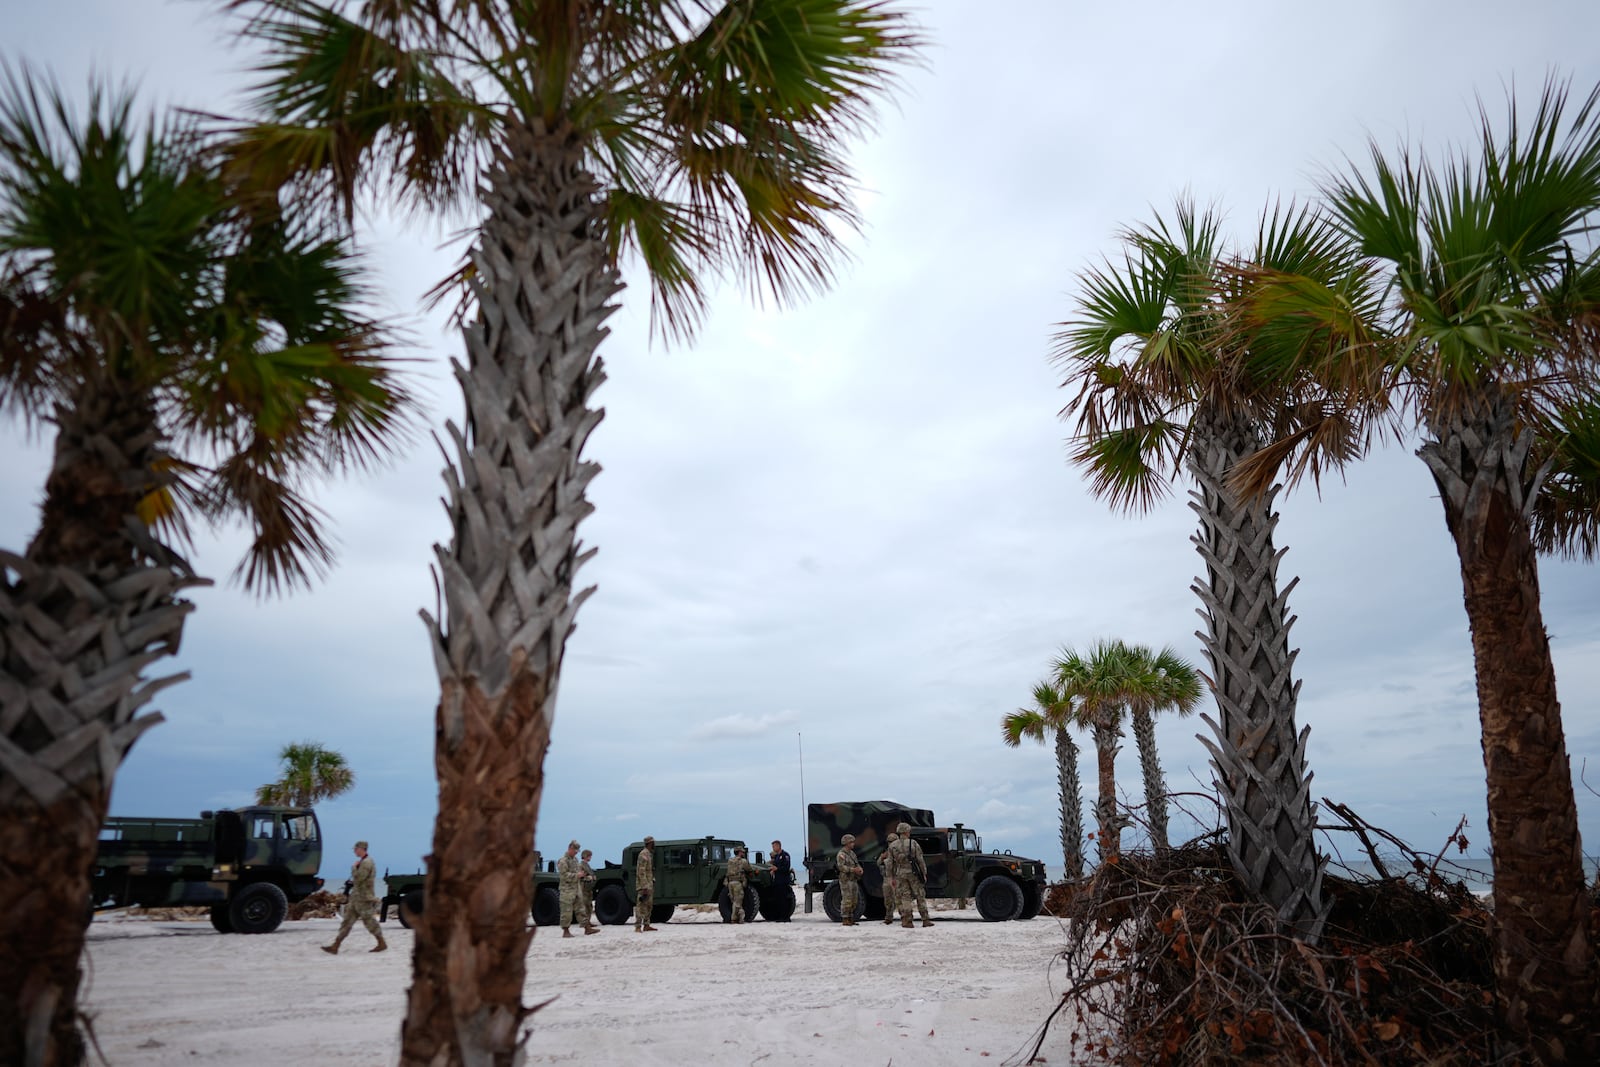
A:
1258, 755
1155, 783
91, 605
1105, 809
1545, 968
1071, 793
543, 284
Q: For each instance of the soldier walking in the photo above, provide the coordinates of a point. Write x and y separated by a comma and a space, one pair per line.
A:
586, 894
644, 875
739, 871
570, 868
363, 902
912, 868
850, 872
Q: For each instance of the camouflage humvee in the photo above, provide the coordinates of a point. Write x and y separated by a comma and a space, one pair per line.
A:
403, 893
248, 864
1002, 885
689, 871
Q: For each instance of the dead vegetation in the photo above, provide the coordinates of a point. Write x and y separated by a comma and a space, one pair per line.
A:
1167, 962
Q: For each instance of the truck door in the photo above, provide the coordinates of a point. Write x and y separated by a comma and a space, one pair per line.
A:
260, 839
300, 845
229, 838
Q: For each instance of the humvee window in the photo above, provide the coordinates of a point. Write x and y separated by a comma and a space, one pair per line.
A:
682, 857
965, 840
932, 845
300, 828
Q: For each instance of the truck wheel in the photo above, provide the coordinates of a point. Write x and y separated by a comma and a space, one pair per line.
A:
876, 908
752, 904
221, 921
410, 909
833, 903
546, 906
1032, 900
662, 913
611, 905
998, 898
258, 909
777, 904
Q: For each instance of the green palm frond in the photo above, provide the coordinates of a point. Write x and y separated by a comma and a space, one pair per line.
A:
1566, 517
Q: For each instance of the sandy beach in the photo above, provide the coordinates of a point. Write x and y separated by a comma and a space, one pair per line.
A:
696, 991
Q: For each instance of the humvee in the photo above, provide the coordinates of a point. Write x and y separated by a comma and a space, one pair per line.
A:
1002, 886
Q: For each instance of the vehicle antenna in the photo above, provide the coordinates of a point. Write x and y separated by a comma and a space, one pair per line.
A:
805, 828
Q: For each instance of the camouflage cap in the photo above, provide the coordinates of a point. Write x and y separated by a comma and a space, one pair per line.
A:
848, 839
573, 845
903, 828
362, 845
649, 840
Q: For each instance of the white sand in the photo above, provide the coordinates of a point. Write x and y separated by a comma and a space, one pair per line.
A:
695, 992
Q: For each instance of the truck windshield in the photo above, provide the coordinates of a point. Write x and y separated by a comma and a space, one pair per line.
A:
964, 840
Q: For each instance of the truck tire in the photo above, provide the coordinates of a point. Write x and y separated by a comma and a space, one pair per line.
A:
1032, 900
833, 903
777, 904
662, 913
221, 921
546, 906
998, 898
258, 909
612, 906
752, 904
410, 909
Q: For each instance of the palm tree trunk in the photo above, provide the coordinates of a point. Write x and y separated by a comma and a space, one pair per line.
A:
1071, 805
1260, 758
89, 607
1544, 963
1155, 783
516, 496
1105, 808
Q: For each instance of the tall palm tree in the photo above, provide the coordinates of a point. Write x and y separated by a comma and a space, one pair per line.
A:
1160, 682
1492, 315
196, 361
309, 773
1092, 686
1051, 718
701, 138
1162, 389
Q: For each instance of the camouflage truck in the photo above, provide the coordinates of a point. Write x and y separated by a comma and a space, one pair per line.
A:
403, 893
1002, 885
248, 864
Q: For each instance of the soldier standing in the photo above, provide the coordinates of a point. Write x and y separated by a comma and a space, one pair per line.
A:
739, 871
586, 894
781, 870
850, 872
644, 876
912, 866
363, 901
570, 868
889, 867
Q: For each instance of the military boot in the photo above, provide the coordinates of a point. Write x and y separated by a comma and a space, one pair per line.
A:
591, 929
927, 922
380, 946
333, 949
648, 927
906, 922
565, 932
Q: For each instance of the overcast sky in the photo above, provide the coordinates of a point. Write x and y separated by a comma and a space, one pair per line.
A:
850, 529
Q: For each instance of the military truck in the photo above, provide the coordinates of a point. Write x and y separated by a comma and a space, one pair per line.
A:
1002, 886
687, 871
248, 864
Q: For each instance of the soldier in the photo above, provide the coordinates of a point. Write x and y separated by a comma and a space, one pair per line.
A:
586, 894
850, 872
363, 901
912, 866
644, 876
739, 871
570, 868
888, 866
781, 870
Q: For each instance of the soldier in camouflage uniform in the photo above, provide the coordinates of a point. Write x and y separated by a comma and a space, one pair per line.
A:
912, 868
644, 876
586, 893
738, 876
891, 883
850, 872
570, 868
363, 902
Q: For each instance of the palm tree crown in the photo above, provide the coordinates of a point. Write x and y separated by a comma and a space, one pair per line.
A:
309, 773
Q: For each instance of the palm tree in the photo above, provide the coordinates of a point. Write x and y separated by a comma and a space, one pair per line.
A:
310, 773
1092, 686
1163, 388
700, 137
1159, 682
196, 361
1492, 318
1051, 717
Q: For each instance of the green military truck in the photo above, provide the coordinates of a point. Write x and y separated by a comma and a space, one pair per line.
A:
247, 864
688, 871
1002, 886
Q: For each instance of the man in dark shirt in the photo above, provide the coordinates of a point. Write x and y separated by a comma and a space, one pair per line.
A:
779, 866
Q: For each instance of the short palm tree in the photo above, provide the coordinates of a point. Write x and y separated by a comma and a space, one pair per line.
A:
1092, 685
196, 360
309, 773
1491, 318
1051, 718
1164, 387
701, 138
1159, 682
